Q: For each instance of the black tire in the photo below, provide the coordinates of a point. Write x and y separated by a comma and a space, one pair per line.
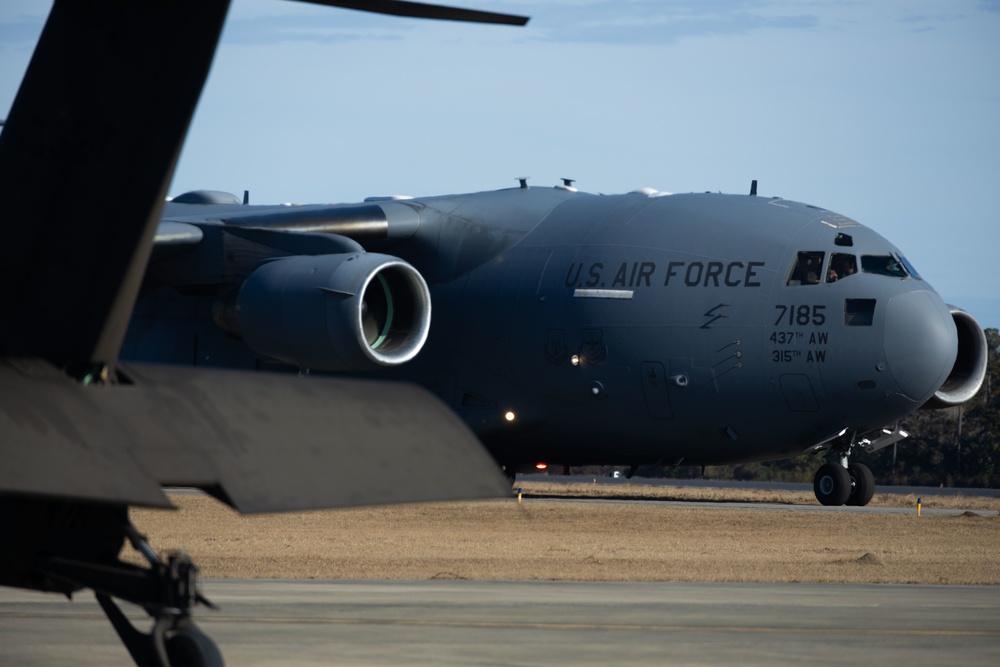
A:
190, 647
832, 484
862, 484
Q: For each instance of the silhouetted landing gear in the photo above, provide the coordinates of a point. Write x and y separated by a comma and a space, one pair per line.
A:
167, 590
173, 641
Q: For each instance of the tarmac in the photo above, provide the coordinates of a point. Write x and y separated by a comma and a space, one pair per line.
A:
448, 622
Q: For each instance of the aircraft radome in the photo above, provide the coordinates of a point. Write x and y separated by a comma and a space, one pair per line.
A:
84, 437
573, 328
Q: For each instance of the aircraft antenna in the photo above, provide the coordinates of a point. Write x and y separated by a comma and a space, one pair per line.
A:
246, 197
753, 188
523, 180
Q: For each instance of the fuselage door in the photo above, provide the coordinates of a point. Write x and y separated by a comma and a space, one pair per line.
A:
654, 390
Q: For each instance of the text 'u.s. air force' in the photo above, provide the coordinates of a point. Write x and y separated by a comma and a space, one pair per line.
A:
666, 274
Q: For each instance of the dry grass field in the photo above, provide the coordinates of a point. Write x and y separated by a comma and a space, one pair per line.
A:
543, 539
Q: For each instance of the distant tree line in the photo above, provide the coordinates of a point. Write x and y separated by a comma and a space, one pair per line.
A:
956, 447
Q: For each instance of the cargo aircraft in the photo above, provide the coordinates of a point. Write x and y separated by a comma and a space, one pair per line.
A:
575, 329
86, 155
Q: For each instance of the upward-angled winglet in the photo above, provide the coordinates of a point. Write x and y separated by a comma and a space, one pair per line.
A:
423, 10
93, 113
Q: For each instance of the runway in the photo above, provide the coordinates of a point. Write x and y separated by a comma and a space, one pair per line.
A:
364, 623
779, 507
703, 483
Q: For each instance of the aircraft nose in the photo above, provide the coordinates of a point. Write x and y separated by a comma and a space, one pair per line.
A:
920, 343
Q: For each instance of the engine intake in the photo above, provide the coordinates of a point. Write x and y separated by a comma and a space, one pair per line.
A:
344, 312
969, 371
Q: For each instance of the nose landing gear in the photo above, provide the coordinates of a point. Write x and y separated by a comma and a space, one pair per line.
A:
836, 485
845, 483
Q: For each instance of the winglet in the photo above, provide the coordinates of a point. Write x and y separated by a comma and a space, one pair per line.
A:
92, 110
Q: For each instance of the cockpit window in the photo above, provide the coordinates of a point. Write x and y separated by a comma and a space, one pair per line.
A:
883, 265
841, 266
808, 268
909, 267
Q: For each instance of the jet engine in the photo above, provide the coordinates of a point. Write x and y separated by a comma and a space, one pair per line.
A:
344, 312
969, 371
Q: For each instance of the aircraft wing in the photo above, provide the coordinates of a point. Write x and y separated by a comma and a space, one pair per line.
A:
257, 441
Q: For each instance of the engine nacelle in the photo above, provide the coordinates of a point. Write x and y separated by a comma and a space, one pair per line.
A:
345, 312
969, 371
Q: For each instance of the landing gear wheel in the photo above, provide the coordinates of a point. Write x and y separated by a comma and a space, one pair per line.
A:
832, 484
862, 484
190, 647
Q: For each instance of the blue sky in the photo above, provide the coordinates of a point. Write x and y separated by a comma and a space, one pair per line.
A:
888, 112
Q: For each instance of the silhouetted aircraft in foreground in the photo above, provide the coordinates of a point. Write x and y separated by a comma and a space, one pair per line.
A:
86, 155
576, 329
